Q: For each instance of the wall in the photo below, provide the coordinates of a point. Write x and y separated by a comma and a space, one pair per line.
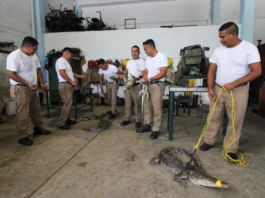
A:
116, 44
15, 24
260, 21
166, 12
15, 21
155, 14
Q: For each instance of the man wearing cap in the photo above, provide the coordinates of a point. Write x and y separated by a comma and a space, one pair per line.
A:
155, 71
24, 71
136, 68
111, 74
66, 83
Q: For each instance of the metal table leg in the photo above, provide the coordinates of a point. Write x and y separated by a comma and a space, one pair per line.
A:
47, 103
91, 99
170, 115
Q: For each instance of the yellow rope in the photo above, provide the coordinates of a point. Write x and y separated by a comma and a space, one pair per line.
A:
240, 161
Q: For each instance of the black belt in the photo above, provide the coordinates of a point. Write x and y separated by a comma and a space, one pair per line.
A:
244, 84
22, 85
65, 82
155, 82
134, 84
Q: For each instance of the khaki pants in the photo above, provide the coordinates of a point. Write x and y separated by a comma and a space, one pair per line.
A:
225, 102
27, 105
66, 92
132, 96
112, 89
156, 92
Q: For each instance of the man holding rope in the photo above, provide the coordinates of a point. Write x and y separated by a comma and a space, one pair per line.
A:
236, 62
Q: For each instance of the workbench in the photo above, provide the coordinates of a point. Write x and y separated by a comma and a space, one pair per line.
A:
172, 91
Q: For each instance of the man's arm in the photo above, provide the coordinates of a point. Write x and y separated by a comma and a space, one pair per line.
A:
66, 77
13, 75
145, 77
119, 72
210, 80
83, 76
255, 71
143, 73
101, 82
39, 74
126, 73
162, 74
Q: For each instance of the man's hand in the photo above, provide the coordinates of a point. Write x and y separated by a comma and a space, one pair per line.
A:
83, 76
74, 83
32, 86
212, 96
43, 86
229, 86
113, 78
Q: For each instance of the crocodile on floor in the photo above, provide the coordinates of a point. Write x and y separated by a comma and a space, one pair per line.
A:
175, 159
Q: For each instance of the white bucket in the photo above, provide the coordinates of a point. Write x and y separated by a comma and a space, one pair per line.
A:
10, 108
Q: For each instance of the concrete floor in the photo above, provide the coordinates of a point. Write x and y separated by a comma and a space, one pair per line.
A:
114, 163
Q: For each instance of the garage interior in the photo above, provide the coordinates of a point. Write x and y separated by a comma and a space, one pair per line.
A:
114, 163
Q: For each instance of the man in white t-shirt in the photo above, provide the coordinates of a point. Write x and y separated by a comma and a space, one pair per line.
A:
66, 83
136, 68
24, 70
236, 62
110, 74
155, 71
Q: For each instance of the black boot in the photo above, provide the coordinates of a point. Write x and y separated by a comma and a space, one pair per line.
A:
65, 127
41, 131
25, 141
70, 122
125, 122
144, 128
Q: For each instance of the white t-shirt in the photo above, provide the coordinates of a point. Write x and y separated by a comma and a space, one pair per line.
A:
62, 63
111, 71
135, 67
153, 65
25, 66
232, 63
84, 68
